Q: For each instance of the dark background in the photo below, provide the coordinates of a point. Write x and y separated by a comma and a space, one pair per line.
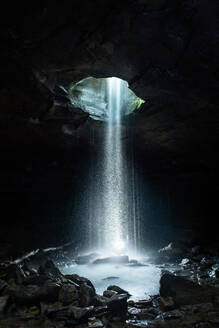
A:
168, 52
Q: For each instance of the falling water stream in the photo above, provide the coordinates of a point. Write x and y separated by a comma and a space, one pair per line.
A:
115, 217
113, 225
109, 214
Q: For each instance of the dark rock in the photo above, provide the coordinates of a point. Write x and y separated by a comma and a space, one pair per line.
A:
175, 314
118, 304
13, 272
166, 304
100, 300
33, 294
196, 250
141, 314
70, 312
109, 293
100, 310
213, 317
35, 279
95, 323
171, 252
185, 262
79, 280
143, 303
184, 291
3, 284
49, 269
85, 259
69, 294
3, 303
118, 290
87, 294
214, 272
110, 278
113, 259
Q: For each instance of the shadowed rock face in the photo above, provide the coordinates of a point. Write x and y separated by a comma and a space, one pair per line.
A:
166, 50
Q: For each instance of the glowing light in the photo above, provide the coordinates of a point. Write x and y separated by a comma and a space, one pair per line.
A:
119, 245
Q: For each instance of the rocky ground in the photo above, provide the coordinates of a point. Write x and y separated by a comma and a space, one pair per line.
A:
34, 293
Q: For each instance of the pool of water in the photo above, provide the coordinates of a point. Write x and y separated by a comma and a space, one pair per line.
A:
140, 281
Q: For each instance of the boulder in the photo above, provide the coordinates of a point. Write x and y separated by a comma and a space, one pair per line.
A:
62, 313
166, 303
33, 294
87, 294
117, 304
49, 269
109, 293
171, 252
76, 279
3, 284
184, 291
13, 272
3, 303
118, 290
85, 259
113, 259
95, 323
69, 294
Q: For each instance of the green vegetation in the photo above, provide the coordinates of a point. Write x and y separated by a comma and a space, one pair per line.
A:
137, 104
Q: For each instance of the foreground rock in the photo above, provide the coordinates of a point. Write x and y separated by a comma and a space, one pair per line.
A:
34, 293
184, 291
113, 260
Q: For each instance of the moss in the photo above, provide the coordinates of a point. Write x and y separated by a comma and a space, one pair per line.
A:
137, 103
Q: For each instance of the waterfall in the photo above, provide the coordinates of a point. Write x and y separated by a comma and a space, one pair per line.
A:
111, 220
115, 230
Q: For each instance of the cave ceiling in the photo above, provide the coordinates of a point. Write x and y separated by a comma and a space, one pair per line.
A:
167, 50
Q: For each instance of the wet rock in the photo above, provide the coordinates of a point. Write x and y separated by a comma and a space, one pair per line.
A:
171, 252
3, 284
141, 324
170, 315
110, 278
79, 280
100, 310
3, 303
69, 294
141, 314
166, 304
196, 250
87, 294
95, 323
109, 293
13, 272
118, 290
99, 300
113, 259
33, 294
214, 272
85, 259
118, 304
213, 317
143, 303
49, 269
184, 291
35, 279
185, 261
70, 312
196, 308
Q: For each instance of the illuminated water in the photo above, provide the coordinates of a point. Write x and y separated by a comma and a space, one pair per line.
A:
114, 216
139, 281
